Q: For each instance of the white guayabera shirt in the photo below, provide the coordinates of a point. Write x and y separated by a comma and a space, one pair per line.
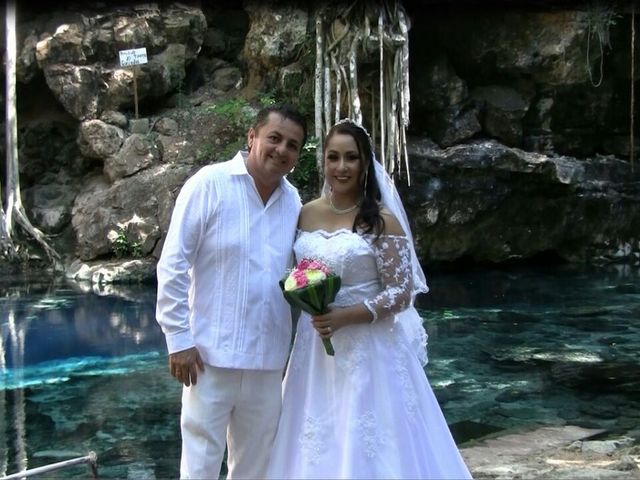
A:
218, 274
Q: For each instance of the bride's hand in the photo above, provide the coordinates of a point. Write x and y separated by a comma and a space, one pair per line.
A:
339, 317
327, 323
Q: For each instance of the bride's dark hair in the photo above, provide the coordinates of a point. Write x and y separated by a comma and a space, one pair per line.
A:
369, 219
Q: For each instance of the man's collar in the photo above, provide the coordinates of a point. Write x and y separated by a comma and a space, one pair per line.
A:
239, 167
238, 163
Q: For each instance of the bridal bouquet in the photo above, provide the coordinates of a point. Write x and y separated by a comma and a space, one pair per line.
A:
311, 286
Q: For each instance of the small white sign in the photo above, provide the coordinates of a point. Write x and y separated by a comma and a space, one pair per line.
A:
135, 56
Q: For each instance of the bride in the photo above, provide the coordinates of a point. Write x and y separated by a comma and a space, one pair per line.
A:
368, 411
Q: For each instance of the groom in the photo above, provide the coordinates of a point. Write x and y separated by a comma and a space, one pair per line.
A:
226, 323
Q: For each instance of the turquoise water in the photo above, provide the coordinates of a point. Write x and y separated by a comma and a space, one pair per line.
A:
87, 371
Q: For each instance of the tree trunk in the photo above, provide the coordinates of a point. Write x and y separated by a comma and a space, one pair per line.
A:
15, 209
7, 249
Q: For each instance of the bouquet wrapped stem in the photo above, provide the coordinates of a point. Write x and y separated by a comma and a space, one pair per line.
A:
328, 346
311, 286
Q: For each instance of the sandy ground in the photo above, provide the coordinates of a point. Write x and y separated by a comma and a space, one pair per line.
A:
558, 453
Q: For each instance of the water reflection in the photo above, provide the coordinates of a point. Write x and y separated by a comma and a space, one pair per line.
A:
65, 323
86, 369
78, 369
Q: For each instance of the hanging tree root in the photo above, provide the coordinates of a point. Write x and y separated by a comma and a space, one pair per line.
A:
37, 235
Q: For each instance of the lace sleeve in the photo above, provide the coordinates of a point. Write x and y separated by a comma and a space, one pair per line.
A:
393, 258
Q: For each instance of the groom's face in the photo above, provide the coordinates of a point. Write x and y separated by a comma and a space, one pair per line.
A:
274, 148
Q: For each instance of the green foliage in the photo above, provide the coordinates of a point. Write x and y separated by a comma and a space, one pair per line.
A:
238, 115
235, 116
306, 170
123, 246
236, 111
239, 110
205, 152
231, 148
267, 98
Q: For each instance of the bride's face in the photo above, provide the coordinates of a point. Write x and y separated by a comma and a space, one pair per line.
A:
343, 164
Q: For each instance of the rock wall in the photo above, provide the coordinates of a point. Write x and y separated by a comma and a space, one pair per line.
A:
547, 80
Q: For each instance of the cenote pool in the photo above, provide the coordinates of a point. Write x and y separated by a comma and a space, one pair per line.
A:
509, 349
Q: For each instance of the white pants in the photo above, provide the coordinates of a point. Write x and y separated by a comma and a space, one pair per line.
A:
239, 406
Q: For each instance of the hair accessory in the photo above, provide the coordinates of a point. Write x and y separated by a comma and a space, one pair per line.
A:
354, 124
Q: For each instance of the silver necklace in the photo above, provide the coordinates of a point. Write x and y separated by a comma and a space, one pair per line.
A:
342, 211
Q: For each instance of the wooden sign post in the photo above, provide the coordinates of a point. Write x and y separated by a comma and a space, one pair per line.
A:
133, 58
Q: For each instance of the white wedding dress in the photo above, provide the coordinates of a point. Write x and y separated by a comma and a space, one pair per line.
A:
368, 412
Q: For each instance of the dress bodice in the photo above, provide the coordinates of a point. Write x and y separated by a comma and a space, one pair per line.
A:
349, 255
374, 270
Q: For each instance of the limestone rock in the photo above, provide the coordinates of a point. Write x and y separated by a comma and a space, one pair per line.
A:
98, 139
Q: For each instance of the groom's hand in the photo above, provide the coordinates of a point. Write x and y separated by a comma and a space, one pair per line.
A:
184, 366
